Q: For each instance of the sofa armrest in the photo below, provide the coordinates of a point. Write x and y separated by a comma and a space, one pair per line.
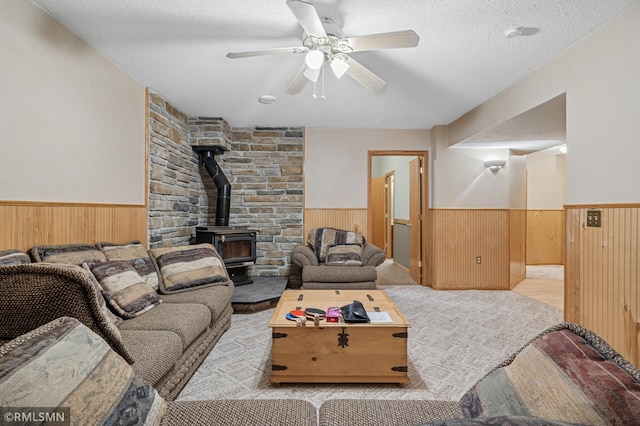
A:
303, 255
372, 255
34, 294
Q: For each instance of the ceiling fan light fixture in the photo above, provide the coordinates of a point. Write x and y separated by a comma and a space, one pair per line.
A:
339, 66
314, 59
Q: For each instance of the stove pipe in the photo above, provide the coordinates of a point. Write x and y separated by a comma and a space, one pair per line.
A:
223, 200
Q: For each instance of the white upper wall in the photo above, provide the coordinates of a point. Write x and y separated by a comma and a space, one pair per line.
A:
601, 77
335, 162
546, 176
517, 181
72, 124
461, 179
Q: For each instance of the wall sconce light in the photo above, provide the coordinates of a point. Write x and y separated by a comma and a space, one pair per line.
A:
495, 165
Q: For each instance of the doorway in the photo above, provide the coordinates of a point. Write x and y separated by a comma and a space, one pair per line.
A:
397, 203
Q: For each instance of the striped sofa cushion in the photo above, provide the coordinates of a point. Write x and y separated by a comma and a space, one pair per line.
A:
136, 254
182, 268
566, 374
123, 288
13, 257
66, 367
73, 254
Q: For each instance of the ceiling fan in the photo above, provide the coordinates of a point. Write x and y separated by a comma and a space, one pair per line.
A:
323, 41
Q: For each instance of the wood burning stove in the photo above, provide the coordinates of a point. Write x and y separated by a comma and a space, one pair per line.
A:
237, 246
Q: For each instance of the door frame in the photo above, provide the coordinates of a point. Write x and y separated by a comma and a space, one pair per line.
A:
426, 268
389, 179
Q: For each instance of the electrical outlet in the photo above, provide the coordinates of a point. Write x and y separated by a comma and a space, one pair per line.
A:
593, 218
478, 260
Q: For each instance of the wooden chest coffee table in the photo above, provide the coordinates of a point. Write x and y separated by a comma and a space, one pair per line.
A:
338, 352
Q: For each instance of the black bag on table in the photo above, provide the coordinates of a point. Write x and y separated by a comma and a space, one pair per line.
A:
354, 312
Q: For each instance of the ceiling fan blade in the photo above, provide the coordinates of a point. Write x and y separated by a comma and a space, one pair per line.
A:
307, 17
298, 82
263, 52
364, 76
392, 40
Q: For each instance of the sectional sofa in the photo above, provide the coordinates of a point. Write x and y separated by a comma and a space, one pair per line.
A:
566, 375
163, 323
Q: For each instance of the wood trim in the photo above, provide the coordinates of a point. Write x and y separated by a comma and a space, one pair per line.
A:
146, 146
603, 206
426, 225
459, 236
517, 246
545, 237
403, 268
25, 226
63, 204
406, 222
601, 276
351, 219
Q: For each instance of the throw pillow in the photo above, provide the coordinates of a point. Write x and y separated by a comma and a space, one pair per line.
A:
73, 254
13, 257
350, 255
182, 268
114, 319
124, 289
136, 254
321, 239
566, 374
66, 367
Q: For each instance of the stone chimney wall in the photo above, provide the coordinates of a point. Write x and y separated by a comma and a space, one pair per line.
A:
263, 165
175, 186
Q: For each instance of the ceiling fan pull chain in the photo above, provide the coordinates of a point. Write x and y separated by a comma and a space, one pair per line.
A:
314, 91
323, 96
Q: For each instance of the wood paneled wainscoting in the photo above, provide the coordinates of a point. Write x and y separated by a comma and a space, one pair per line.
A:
349, 219
25, 225
602, 275
478, 248
545, 237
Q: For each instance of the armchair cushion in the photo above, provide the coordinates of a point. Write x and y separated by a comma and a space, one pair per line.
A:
339, 274
350, 254
321, 239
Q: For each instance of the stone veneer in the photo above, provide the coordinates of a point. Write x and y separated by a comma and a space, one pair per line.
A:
175, 186
263, 165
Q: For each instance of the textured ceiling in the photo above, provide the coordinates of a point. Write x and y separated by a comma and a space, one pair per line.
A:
178, 48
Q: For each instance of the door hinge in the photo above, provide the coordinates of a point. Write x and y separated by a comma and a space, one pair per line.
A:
420, 264
421, 170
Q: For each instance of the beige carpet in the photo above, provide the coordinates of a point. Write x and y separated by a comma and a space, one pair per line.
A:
455, 339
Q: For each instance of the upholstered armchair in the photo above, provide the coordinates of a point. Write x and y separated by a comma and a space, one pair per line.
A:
337, 259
